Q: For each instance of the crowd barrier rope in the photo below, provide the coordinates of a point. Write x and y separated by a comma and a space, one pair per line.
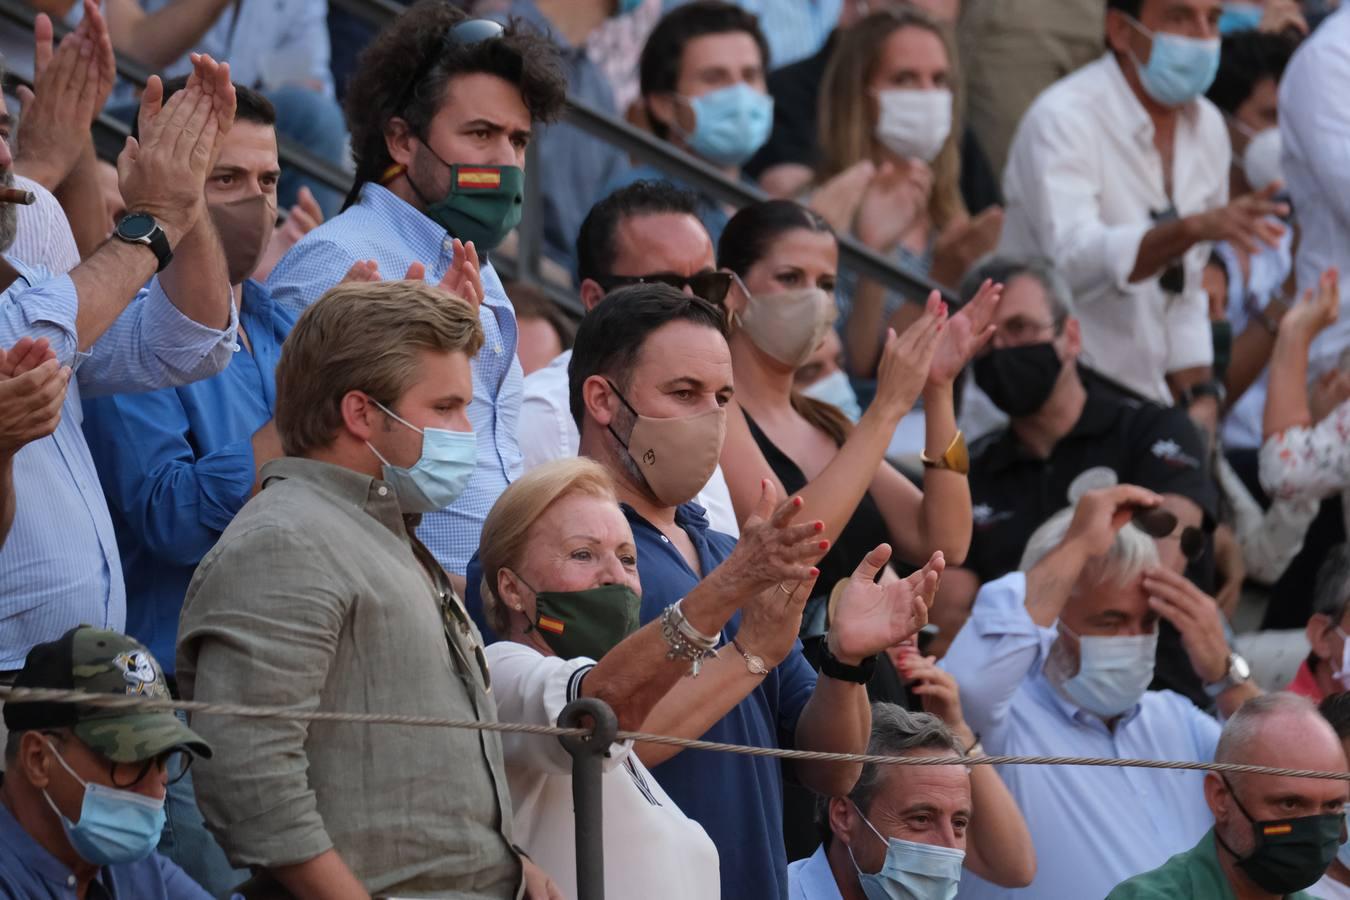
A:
588, 744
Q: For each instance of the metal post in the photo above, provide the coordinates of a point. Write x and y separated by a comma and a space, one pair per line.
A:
587, 752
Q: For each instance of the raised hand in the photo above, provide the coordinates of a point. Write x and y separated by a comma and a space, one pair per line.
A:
870, 617
838, 199
895, 199
771, 621
1330, 390
1197, 618
461, 281
966, 334
937, 690
1306, 318
772, 552
1099, 515
1248, 221
71, 85
363, 270
906, 359
32, 392
963, 242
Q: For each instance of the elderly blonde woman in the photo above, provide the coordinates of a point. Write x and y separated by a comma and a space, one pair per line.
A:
560, 583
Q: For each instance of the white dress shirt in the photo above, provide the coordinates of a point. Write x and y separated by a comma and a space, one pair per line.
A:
44, 239
1315, 131
548, 432
1082, 181
655, 851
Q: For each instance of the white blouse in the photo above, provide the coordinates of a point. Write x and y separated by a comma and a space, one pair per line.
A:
1310, 462
652, 849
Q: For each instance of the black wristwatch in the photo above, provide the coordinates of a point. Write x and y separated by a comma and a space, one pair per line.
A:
141, 228
831, 666
1194, 392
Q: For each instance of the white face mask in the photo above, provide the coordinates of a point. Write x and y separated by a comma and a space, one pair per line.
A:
1261, 159
914, 124
1342, 672
1113, 672
836, 389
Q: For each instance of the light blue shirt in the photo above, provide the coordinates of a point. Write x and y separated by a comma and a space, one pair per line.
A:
382, 227
59, 567
811, 878
1092, 827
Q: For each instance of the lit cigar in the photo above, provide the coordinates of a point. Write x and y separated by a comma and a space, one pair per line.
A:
14, 195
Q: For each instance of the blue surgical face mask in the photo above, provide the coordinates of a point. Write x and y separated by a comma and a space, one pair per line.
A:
911, 871
730, 124
1179, 68
627, 6
115, 827
1113, 672
836, 389
438, 477
1239, 17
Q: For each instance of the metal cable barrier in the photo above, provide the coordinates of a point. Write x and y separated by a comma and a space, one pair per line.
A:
641, 145
588, 745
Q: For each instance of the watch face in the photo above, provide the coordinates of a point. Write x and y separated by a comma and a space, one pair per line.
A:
136, 226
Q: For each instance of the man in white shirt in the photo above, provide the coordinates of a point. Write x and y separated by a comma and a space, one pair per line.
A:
1315, 133
646, 231
1119, 173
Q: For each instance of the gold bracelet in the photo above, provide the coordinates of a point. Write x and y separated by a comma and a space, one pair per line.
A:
955, 458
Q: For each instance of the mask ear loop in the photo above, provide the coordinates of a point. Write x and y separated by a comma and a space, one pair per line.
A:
624, 401
529, 625
1248, 816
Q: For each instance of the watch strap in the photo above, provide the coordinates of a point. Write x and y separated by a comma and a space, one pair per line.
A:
1209, 388
839, 671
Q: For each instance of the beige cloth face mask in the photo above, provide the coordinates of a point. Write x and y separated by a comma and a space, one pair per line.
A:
676, 456
790, 325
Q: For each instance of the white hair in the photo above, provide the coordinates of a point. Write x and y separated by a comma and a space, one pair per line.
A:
1130, 553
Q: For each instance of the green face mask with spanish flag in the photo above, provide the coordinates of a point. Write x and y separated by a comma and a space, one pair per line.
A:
586, 623
483, 205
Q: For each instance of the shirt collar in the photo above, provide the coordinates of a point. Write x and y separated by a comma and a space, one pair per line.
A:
817, 878
348, 485
29, 852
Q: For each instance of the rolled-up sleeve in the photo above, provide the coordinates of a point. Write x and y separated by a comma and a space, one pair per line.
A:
1308, 463
176, 503
994, 652
1054, 176
153, 345
46, 310
260, 627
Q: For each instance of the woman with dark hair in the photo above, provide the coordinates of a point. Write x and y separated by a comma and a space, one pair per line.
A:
785, 258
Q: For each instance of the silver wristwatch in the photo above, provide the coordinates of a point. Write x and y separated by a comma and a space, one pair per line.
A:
1238, 673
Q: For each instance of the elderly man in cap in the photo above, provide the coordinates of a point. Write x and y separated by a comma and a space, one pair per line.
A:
82, 797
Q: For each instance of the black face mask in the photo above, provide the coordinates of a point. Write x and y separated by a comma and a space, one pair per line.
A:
1289, 854
1019, 379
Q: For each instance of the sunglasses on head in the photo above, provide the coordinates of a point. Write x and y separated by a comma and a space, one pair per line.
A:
710, 286
1159, 525
463, 34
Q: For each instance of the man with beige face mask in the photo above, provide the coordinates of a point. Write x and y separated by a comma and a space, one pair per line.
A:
177, 464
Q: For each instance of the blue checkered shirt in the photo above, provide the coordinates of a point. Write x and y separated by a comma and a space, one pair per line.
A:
382, 227
59, 566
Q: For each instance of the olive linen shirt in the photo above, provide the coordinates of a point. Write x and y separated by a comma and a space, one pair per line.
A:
318, 598
1193, 875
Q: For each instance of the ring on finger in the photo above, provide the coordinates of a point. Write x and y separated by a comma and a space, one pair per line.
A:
785, 590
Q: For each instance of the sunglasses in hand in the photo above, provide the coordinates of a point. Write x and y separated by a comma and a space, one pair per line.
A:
1159, 524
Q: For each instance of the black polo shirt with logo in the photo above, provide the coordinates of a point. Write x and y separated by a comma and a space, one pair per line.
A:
1115, 441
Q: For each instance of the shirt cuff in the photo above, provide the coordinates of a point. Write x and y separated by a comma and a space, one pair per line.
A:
225, 478
192, 346
1190, 340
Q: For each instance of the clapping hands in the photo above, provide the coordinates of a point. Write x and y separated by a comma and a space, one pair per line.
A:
871, 617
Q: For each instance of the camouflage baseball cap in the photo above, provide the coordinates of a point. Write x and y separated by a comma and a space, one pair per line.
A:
102, 662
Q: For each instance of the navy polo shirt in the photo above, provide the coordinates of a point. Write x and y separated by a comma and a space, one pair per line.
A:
737, 799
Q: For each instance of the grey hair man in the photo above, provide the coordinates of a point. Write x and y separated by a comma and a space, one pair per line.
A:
1273, 835
1066, 431
1057, 659
911, 830
1326, 671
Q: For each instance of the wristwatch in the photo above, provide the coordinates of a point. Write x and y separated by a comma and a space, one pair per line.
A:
141, 228
752, 662
1238, 673
1194, 392
831, 666
955, 457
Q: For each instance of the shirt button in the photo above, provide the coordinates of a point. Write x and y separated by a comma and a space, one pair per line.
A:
665, 539
70, 881
382, 491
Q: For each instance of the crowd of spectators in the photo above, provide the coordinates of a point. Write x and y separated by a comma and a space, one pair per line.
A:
275, 432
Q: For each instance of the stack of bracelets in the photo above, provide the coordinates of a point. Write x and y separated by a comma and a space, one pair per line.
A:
686, 641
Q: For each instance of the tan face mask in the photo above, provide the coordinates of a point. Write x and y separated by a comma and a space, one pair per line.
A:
676, 456
245, 228
789, 326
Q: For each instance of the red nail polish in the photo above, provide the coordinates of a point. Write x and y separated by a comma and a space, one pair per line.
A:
820, 526
824, 545
815, 573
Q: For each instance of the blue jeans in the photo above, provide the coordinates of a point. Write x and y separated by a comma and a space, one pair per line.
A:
314, 121
186, 842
